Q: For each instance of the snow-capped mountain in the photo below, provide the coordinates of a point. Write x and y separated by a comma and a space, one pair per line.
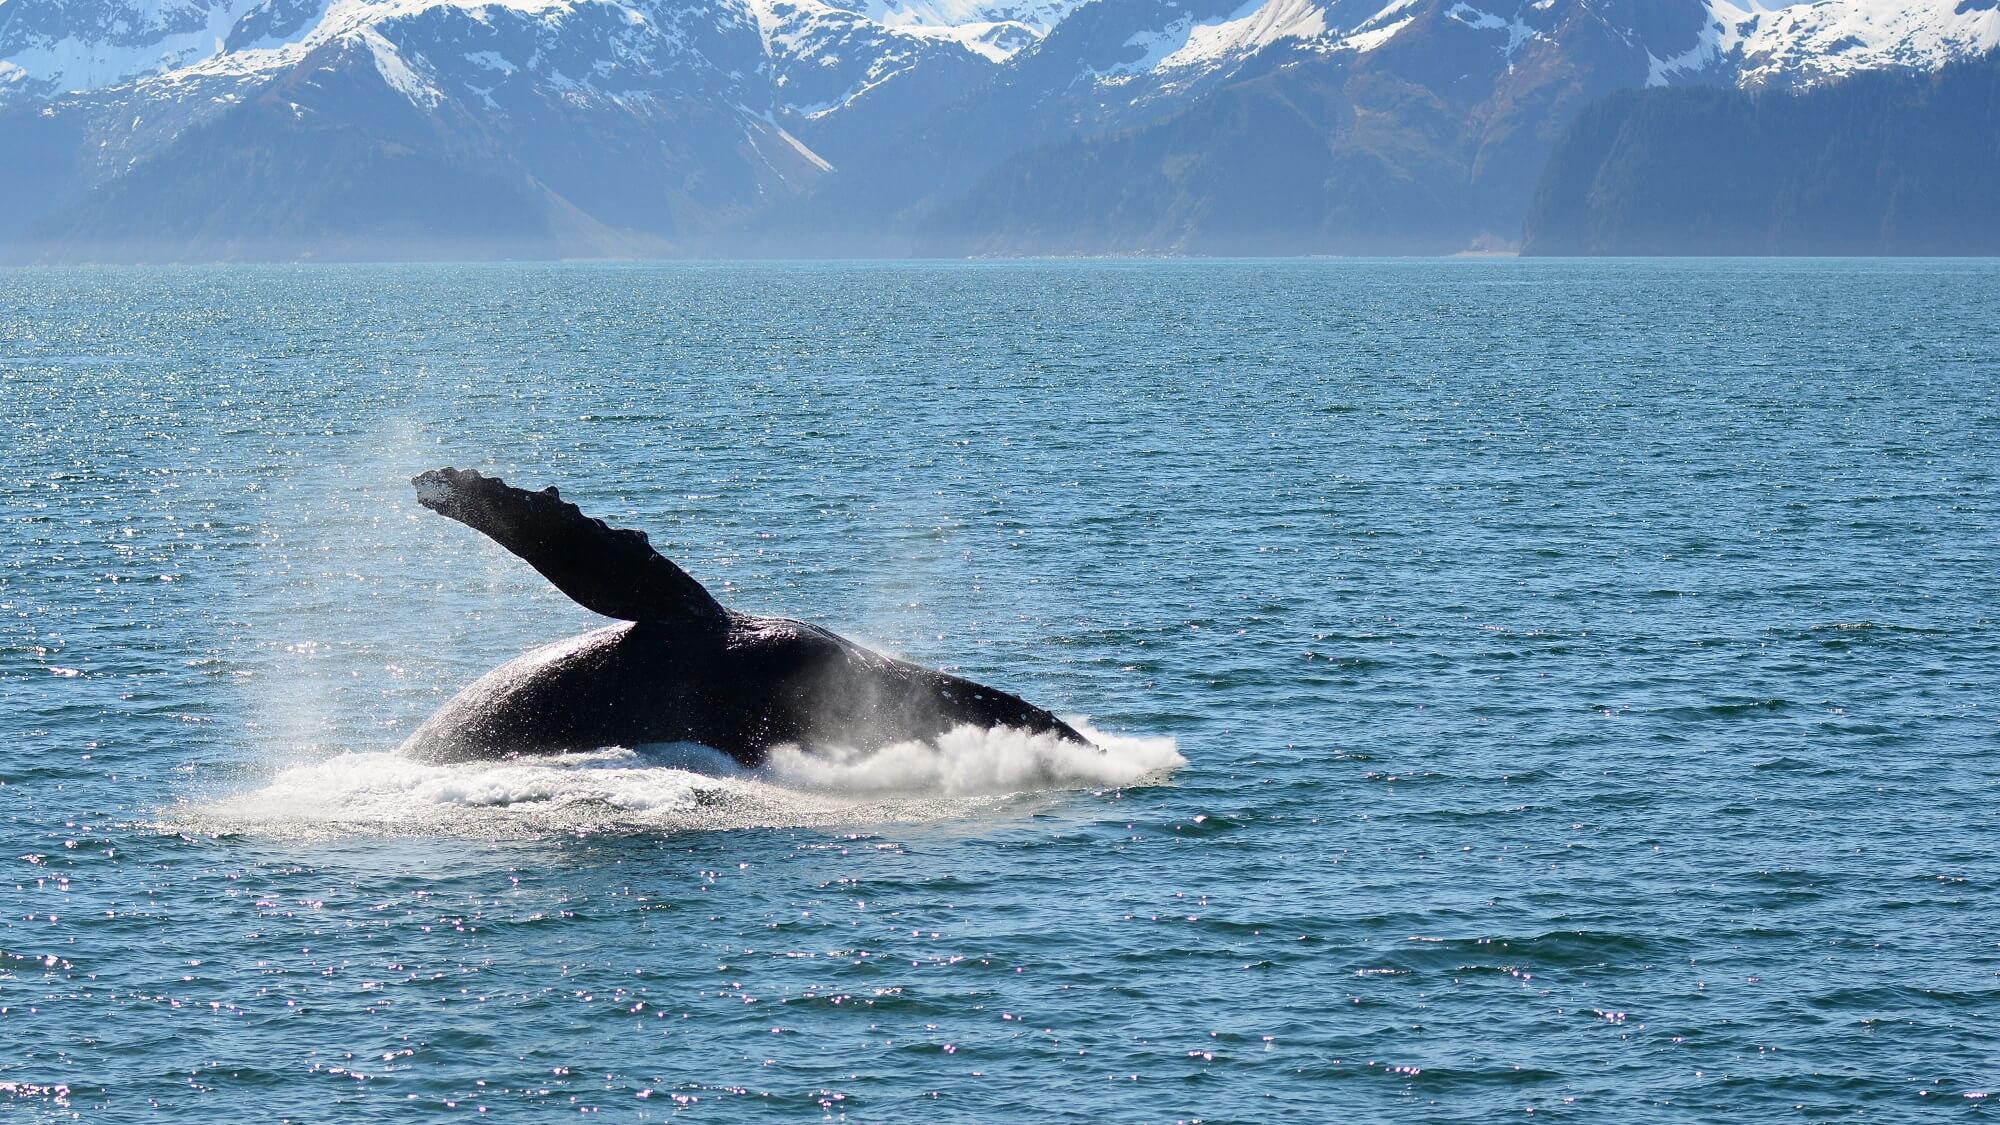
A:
1281, 126
51, 48
1809, 44
1800, 43
1885, 161
821, 58
203, 127
1037, 17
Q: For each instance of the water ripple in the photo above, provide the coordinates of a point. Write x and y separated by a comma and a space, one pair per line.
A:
1585, 676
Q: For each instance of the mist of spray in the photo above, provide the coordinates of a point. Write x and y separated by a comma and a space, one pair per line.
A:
374, 617
968, 772
364, 616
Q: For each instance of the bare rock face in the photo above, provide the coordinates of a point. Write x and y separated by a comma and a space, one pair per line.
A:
284, 129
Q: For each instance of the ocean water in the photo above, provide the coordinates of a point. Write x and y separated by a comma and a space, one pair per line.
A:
1524, 687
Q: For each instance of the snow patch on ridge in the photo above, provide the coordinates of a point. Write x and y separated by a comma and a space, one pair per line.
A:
104, 57
1036, 16
799, 146
1710, 47
1517, 31
1188, 44
1373, 37
1810, 43
1256, 25
996, 42
399, 74
1373, 32
490, 60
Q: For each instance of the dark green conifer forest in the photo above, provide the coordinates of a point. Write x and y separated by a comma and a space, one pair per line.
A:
1881, 163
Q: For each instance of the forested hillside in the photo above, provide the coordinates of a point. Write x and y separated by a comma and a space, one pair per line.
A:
1880, 163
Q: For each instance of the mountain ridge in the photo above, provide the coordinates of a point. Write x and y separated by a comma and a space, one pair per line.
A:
1885, 163
185, 129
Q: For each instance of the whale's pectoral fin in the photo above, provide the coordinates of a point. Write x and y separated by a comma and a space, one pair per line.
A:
607, 570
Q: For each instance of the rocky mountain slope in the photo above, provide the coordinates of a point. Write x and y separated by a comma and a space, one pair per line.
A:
1886, 162
196, 129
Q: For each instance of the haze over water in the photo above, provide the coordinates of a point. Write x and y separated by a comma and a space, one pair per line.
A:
1526, 685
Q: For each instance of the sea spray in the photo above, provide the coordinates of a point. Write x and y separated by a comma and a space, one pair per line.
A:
678, 787
971, 761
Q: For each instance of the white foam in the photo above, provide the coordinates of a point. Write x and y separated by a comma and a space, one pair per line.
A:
972, 762
675, 788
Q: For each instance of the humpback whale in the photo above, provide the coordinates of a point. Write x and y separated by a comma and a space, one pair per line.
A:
680, 667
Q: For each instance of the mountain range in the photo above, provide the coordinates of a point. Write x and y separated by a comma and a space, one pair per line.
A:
1888, 162
340, 129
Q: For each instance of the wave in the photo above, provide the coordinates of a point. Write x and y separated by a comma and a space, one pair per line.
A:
678, 787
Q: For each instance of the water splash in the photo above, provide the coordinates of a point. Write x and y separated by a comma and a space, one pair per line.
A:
680, 787
971, 761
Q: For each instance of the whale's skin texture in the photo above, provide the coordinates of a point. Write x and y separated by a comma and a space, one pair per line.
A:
687, 670
763, 682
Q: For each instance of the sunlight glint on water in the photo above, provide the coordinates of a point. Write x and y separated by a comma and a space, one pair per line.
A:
1584, 672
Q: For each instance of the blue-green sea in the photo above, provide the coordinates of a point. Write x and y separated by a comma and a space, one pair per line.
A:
1567, 689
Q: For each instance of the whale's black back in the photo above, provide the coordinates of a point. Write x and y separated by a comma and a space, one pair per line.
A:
686, 669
